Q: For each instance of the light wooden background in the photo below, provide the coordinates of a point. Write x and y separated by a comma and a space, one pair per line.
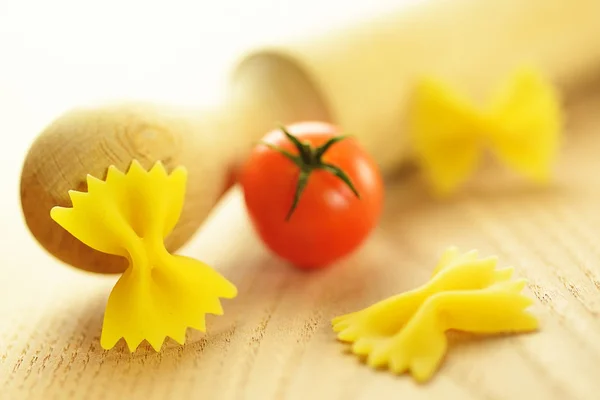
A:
275, 340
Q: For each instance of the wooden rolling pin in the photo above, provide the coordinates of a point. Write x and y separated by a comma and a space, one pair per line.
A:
360, 78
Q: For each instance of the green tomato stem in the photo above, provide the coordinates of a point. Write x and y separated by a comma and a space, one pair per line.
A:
309, 158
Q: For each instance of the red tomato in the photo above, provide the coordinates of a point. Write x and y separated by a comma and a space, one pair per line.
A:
330, 219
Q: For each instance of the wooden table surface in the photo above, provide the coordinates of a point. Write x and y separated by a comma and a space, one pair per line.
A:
275, 340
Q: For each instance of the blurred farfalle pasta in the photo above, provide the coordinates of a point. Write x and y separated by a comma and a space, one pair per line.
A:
521, 125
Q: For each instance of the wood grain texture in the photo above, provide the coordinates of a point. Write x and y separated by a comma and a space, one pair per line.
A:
275, 339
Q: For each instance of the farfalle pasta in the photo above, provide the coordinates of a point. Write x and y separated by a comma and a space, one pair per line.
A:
520, 125
406, 332
159, 295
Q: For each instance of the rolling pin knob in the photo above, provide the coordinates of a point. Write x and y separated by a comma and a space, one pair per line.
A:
88, 140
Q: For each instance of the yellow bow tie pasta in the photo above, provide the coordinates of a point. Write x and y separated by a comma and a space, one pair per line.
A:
159, 294
407, 332
521, 126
